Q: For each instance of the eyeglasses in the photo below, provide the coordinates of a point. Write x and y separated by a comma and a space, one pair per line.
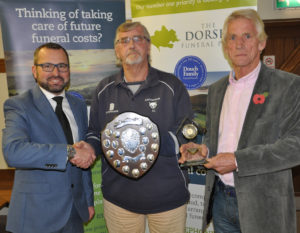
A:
49, 67
135, 39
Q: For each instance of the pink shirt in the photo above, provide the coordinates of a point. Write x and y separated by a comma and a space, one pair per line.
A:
234, 109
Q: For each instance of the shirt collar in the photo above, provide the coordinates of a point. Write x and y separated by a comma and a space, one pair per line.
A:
249, 78
50, 95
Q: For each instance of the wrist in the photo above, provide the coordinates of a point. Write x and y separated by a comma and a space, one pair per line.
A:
70, 152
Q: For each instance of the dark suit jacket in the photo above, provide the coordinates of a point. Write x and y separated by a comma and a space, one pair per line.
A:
45, 185
269, 146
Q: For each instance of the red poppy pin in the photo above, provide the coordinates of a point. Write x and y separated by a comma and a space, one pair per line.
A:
260, 98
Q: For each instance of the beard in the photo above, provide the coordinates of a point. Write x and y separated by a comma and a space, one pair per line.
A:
55, 88
133, 57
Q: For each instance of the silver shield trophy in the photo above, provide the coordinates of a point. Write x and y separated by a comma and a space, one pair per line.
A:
130, 144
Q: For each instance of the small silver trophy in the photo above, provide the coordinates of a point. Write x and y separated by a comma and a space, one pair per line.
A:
130, 144
190, 130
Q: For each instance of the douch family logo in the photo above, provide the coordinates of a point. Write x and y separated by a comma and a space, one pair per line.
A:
191, 70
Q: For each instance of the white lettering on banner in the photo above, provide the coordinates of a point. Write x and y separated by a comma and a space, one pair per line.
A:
156, 5
97, 15
65, 25
183, 3
62, 15
66, 38
42, 14
42, 27
84, 26
97, 202
96, 185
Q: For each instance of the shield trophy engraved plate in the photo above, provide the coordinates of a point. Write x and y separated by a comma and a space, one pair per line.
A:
130, 144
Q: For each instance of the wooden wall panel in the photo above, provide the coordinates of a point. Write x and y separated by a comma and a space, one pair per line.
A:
283, 39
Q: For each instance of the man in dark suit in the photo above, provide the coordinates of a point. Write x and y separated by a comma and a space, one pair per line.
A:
50, 193
253, 139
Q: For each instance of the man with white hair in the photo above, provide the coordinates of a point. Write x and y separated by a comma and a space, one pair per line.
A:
253, 137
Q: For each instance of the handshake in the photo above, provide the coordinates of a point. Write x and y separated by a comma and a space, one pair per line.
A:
84, 155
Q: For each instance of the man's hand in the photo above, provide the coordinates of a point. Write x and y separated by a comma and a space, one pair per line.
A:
187, 154
85, 155
91, 212
222, 163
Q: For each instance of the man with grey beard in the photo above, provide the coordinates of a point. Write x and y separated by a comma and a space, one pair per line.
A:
161, 194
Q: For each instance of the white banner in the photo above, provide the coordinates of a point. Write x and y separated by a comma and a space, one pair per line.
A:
186, 41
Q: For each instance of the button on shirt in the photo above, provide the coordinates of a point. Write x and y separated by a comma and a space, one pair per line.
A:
234, 109
67, 110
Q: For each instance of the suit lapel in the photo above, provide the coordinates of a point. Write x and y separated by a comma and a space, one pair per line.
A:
255, 110
46, 110
41, 102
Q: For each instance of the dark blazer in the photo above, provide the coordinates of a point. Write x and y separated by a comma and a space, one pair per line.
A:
269, 146
45, 184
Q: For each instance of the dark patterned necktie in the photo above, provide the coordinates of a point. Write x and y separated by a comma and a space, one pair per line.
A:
63, 119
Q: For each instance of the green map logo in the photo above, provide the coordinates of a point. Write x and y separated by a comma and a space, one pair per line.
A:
164, 38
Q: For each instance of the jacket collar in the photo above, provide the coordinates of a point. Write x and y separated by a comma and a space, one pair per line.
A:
151, 80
